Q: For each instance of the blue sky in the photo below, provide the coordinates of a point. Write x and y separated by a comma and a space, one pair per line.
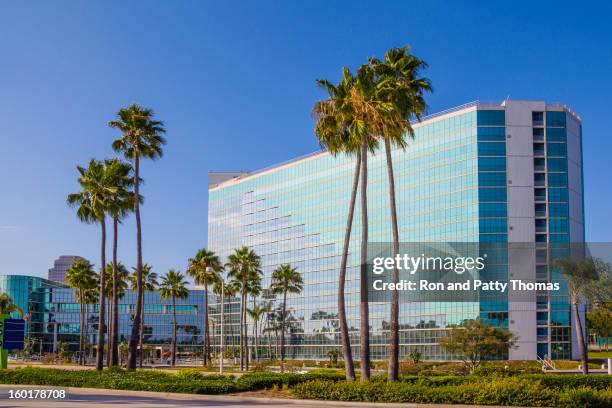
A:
234, 83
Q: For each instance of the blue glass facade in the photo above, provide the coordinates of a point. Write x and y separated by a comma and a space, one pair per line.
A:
451, 186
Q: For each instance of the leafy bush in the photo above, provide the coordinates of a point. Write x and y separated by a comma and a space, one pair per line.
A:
311, 363
263, 380
149, 380
508, 368
194, 374
558, 381
495, 391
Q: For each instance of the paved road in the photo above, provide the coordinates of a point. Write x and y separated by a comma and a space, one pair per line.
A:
94, 398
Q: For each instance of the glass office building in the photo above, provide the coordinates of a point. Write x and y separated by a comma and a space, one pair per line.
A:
52, 315
481, 172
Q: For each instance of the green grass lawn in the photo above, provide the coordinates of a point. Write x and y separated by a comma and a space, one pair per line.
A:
600, 354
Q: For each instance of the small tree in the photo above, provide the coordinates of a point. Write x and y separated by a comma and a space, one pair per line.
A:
333, 357
599, 321
415, 356
473, 341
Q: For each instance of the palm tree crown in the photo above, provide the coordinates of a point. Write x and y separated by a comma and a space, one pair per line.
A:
149, 278
97, 186
81, 276
205, 268
141, 135
122, 281
173, 285
286, 279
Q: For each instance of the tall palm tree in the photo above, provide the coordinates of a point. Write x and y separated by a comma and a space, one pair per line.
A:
228, 290
580, 276
150, 284
91, 203
90, 297
119, 205
367, 111
116, 284
7, 306
245, 273
285, 279
81, 277
141, 136
205, 269
371, 117
256, 313
337, 131
173, 285
400, 86
267, 311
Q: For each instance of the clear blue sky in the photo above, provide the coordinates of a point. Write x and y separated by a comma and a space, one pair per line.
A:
234, 83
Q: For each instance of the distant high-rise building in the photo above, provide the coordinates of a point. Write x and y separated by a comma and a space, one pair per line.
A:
60, 266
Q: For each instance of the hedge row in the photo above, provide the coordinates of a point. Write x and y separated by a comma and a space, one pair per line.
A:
497, 391
185, 381
522, 390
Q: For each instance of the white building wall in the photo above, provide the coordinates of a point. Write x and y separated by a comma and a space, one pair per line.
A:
521, 223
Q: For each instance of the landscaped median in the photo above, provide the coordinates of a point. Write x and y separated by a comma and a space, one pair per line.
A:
542, 390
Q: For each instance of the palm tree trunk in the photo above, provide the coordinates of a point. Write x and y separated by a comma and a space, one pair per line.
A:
131, 365
256, 340
283, 330
87, 331
276, 342
580, 337
344, 334
102, 300
393, 366
364, 323
206, 327
246, 335
81, 331
173, 332
109, 329
267, 330
141, 334
241, 332
114, 349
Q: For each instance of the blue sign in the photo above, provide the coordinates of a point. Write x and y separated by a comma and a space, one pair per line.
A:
14, 333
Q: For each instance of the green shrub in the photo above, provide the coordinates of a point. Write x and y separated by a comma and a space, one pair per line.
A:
264, 380
508, 368
585, 397
194, 374
457, 390
149, 380
558, 381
